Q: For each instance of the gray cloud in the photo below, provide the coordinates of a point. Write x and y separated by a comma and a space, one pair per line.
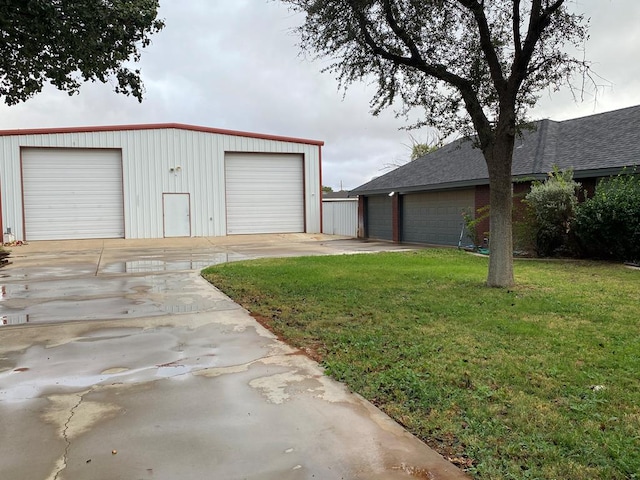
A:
236, 65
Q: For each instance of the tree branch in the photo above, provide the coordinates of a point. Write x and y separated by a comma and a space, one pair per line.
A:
539, 20
438, 71
400, 32
478, 118
517, 40
497, 75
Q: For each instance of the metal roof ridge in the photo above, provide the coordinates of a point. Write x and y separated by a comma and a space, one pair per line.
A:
156, 126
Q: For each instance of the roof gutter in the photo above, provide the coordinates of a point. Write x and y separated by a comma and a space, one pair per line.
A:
421, 188
442, 186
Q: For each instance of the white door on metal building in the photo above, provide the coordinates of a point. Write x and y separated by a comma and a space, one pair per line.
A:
72, 193
177, 215
264, 193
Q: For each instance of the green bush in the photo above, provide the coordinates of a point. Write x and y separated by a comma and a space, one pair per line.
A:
608, 224
471, 222
552, 208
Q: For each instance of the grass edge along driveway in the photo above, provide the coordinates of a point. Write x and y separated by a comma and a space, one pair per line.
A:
540, 381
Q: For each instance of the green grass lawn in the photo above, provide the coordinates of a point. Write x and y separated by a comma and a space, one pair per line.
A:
538, 382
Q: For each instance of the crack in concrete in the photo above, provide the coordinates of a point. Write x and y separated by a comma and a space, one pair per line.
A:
99, 260
65, 455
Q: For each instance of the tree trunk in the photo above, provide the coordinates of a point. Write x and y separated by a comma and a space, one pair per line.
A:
499, 163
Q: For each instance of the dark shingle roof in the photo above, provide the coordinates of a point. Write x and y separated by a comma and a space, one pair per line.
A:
605, 142
332, 195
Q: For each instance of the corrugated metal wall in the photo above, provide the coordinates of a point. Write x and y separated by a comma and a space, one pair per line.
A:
149, 161
340, 217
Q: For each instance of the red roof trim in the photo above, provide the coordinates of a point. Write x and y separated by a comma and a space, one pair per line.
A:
156, 126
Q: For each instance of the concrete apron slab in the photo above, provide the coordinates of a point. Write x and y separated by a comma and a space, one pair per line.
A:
182, 383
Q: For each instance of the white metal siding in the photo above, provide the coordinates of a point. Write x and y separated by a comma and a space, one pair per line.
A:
72, 193
147, 159
264, 193
340, 217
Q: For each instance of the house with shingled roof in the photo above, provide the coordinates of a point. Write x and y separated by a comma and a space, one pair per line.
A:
423, 200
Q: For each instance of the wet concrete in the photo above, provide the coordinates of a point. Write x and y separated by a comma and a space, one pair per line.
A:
101, 298
132, 366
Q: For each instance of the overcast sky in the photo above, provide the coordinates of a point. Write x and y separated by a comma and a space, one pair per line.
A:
234, 64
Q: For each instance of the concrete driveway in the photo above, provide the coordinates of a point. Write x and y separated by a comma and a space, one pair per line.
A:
118, 361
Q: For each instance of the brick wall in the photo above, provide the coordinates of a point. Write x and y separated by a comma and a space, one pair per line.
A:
482, 196
481, 200
362, 215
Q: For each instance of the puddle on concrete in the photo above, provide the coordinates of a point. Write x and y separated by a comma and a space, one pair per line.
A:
118, 356
169, 371
20, 319
59, 288
187, 308
81, 309
27, 273
160, 264
102, 298
102, 309
114, 370
10, 290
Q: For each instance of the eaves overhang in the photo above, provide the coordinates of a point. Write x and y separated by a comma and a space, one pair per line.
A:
605, 172
421, 188
440, 186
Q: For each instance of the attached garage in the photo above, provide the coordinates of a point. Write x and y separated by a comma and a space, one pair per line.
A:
155, 181
426, 217
434, 217
429, 193
72, 193
264, 193
379, 222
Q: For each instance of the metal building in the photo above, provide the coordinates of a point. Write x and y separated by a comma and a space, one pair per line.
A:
340, 216
154, 181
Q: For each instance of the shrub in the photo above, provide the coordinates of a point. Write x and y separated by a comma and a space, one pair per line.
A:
552, 208
524, 225
608, 224
472, 220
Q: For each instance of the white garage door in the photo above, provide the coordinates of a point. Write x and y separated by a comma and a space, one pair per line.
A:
264, 193
72, 193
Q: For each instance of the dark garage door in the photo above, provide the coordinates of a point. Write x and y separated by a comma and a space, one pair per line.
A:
434, 217
379, 217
